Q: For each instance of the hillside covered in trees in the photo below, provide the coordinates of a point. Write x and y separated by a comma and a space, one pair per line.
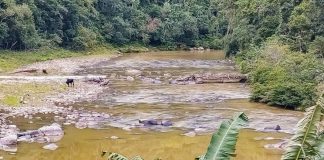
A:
279, 43
218, 24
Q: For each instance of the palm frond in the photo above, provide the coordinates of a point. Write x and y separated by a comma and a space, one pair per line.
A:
200, 157
222, 145
320, 146
137, 158
116, 156
301, 145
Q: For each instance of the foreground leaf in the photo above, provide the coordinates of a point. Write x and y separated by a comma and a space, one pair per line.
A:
116, 156
320, 145
301, 145
137, 158
222, 145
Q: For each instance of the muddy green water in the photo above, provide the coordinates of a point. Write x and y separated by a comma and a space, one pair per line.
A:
88, 144
198, 108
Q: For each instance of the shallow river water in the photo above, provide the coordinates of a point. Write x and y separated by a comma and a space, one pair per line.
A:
195, 108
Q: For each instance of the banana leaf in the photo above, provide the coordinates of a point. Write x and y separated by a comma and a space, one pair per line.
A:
301, 145
222, 145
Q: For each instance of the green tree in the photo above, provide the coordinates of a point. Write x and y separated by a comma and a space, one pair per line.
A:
17, 26
317, 47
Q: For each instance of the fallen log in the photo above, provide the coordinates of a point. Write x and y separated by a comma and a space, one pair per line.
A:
211, 78
26, 71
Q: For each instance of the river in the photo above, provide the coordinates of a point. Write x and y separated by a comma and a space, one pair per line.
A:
194, 108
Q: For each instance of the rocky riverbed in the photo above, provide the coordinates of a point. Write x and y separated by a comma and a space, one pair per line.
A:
139, 91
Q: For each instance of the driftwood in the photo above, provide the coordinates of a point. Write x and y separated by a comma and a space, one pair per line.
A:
27, 71
98, 80
211, 78
44, 71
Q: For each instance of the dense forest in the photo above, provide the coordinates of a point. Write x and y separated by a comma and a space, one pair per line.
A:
218, 24
278, 42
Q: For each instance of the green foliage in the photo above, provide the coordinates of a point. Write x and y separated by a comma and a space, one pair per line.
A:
222, 144
304, 144
85, 39
317, 47
11, 100
10, 60
281, 77
231, 25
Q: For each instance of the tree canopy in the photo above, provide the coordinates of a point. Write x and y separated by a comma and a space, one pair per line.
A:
218, 24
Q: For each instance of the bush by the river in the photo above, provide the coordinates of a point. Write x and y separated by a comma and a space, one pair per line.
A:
281, 77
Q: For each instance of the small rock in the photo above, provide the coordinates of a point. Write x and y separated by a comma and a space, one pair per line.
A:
280, 145
276, 128
133, 72
127, 128
200, 48
197, 130
114, 137
167, 75
51, 147
80, 125
66, 123
129, 78
269, 138
190, 134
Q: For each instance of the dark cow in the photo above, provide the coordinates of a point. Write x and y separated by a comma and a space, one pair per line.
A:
70, 82
44, 71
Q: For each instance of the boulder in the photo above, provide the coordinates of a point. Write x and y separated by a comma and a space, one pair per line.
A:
9, 140
166, 123
149, 122
152, 122
52, 133
9, 143
52, 130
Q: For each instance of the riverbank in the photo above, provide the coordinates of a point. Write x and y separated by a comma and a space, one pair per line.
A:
11, 60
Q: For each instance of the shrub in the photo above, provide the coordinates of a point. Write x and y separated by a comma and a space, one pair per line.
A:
281, 77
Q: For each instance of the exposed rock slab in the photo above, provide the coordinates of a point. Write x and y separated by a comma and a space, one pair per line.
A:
46, 134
